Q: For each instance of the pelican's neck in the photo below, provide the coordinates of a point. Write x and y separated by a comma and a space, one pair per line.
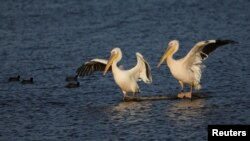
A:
170, 58
116, 60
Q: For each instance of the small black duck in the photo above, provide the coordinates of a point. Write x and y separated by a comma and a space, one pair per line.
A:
15, 78
29, 81
72, 85
71, 78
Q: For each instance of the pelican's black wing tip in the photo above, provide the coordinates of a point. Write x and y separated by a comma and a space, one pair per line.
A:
227, 41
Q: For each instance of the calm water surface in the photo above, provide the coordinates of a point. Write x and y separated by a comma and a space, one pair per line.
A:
49, 39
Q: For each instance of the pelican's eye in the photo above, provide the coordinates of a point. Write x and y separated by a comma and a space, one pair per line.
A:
171, 44
113, 52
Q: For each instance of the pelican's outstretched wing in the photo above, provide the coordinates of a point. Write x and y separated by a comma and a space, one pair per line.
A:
202, 49
91, 66
193, 60
141, 70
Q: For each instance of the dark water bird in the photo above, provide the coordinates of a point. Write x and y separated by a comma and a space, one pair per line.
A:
73, 85
188, 69
71, 78
11, 79
28, 81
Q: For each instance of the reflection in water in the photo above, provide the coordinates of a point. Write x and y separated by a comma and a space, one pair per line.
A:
186, 110
197, 103
134, 106
131, 111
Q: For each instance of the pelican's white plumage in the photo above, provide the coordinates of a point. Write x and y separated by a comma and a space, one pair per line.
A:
188, 70
125, 79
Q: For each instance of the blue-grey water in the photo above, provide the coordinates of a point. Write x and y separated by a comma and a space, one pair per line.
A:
49, 39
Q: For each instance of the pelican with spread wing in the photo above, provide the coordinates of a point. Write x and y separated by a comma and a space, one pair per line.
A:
188, 70
125, 79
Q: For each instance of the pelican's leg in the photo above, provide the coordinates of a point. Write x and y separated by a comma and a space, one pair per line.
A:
124, 94
182, 86
189, 94
137, 93
181, 94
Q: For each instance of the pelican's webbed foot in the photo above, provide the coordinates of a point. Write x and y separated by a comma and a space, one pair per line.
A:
185, 95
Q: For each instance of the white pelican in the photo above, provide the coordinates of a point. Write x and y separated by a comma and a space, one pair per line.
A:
188, 70
125, 79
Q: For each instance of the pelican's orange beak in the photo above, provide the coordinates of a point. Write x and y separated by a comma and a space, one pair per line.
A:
165, 56
110, 62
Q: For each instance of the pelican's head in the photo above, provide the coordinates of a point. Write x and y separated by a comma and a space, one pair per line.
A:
115, 56
172, 47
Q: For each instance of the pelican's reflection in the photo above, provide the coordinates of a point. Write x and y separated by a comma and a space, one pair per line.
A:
131, 111
197, 103
186, 110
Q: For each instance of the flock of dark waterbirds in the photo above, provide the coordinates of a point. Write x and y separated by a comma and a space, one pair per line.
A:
22, 81
72, 81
